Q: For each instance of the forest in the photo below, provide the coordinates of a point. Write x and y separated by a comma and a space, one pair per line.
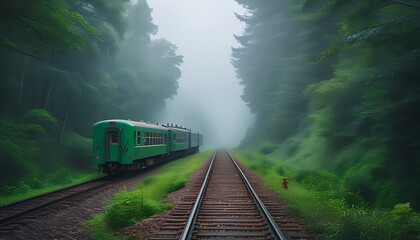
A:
67, 64
335, 86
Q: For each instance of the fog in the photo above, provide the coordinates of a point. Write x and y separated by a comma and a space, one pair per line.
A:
208, 98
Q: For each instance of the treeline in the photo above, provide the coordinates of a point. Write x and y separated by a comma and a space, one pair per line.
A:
335, 85
66, 64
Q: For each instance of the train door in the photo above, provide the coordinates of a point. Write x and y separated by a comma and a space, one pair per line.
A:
170, 141
165, 141
113, 143
189, 139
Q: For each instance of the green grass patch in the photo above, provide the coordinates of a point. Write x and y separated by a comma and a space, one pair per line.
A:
147, 199
62, 178
329, 208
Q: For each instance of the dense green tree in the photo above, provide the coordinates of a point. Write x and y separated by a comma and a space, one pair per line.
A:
41, 26
335, 84
75, 62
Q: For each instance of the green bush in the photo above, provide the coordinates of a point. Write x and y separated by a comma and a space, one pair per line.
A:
13, 165
127, 208
35, 183
330, 209
61, 176
267, 148
41, 117
280, 171
8, 190
319, 181
178, 184
405, 221
148, 180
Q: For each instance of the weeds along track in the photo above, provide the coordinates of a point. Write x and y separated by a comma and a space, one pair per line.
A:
226, 206
20, 213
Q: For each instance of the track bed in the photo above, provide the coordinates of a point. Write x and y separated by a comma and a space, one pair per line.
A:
226, 206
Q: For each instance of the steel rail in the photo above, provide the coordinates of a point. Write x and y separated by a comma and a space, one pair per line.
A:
22, 214
31, 199
272, 224
187, 233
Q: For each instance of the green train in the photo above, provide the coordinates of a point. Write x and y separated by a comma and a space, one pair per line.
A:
124, 145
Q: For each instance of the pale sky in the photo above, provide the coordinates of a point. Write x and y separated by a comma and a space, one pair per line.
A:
209, 93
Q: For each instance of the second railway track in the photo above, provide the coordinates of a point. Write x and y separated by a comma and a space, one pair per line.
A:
20, 213
226, 207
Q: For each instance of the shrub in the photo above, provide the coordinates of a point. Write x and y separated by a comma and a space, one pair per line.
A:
61, 176
41, 117
280, 171
127, 208
8, 190
406, 222
148, 180
178, 184
267, 148
35, 183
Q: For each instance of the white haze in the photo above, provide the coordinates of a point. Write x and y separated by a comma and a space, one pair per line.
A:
208, 98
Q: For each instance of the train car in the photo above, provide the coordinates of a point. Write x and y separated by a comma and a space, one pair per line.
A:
120, 145
124, 145
194, 140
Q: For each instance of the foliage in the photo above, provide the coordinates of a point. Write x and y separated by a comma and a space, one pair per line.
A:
61, 176
333, 85
14, 164
43, 26
35, 186
67, 64
120, 212
40, 117
331, 210
267, 148
147, 199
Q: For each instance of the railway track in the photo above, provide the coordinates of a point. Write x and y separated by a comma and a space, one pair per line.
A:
22, 212
226, 206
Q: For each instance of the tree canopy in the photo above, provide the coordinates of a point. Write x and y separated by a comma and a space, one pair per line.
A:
68, 64
335, 85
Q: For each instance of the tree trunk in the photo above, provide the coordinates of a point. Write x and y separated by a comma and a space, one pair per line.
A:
47, 89
47, 92
64, 123
22, 81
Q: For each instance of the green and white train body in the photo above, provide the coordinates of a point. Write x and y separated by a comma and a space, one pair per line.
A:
124, 145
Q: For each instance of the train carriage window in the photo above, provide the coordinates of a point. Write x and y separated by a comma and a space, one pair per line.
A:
146, 139
153, 138
138, 138
113, 137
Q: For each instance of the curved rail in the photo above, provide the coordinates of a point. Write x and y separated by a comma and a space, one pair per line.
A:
187, 233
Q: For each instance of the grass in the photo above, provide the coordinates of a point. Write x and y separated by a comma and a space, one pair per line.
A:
147, 199
34, 187
328, 207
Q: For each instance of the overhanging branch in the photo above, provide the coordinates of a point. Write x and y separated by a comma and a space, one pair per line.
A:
407, 4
